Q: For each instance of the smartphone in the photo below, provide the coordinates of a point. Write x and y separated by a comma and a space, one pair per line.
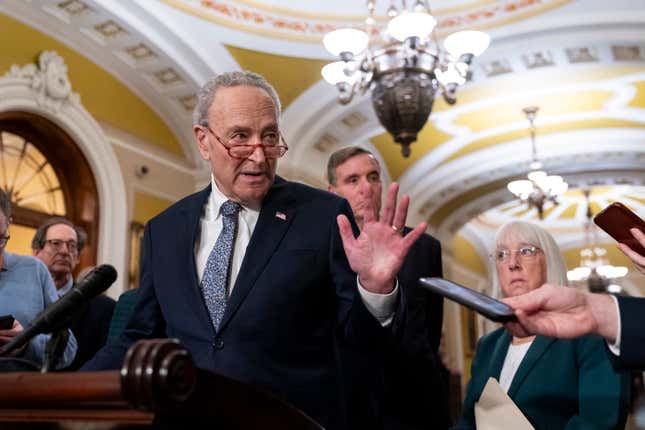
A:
487, 306
616, 219
6, 322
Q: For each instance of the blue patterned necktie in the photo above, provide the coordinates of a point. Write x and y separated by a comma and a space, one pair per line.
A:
216, 273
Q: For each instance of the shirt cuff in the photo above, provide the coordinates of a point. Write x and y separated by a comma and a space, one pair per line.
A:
381, 306
614, 347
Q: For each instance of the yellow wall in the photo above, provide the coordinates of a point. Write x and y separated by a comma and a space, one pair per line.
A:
20, 242
107, 99
147, 206
290, 76
466, 255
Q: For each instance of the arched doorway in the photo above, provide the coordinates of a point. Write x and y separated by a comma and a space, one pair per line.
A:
46, 174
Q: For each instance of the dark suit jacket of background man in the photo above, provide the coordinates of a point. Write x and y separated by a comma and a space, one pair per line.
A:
294, 294
409, 392
632, 338
90, 327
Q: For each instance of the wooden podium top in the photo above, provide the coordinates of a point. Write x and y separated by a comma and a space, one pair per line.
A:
158, 383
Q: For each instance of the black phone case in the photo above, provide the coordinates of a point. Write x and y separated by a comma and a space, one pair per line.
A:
489, 307
616, 219
6, 322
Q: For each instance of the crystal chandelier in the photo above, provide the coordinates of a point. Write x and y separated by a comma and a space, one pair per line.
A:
539, 187
406, 70
594, 268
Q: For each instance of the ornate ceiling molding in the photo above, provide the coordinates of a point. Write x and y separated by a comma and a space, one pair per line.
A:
310, 26
135, 48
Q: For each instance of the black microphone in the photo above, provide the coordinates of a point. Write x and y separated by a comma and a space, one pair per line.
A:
59, 314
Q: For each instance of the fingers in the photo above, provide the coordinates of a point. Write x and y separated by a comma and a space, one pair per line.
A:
346, 233
387, 213
401, 213
414, 235
529, 302
638, 235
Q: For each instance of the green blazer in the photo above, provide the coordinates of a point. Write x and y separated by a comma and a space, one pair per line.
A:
560, 384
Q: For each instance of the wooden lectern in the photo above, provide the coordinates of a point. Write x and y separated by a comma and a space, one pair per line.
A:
158, 385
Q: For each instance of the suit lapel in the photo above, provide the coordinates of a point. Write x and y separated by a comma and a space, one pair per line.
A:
189, 229
536, 351
499, 354
274, 220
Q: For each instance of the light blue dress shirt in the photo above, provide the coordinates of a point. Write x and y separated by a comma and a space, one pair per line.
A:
26, 288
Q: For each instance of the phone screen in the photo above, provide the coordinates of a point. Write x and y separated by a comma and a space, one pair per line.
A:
489, 307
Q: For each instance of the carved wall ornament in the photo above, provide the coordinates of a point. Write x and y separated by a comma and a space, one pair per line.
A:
48, 79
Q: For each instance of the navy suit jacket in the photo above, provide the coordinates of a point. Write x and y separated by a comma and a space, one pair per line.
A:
560, 383
407, 390
90, 327
632, 338
294, 297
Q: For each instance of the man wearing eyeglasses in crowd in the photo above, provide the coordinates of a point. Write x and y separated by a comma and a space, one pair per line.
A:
58, 243
250, 273
26, 288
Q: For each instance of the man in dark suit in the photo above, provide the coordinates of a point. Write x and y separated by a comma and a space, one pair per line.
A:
567, 313
250, 274
409, 393
58, 243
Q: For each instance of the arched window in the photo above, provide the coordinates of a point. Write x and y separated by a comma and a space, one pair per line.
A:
45, 174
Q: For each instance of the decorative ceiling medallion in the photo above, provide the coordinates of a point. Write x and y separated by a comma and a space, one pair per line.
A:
74, 7
325, 142
497, 67
110, 29
140, 52
627, 53
538, 59
311, 27
354, 120
188, 102
583, 54
168, 76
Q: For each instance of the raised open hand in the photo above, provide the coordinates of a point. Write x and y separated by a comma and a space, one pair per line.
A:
377, 254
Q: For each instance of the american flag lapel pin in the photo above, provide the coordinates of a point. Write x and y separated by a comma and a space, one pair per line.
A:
281, 215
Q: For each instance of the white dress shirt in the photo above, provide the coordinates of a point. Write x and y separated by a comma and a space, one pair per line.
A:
381, 306
512, 362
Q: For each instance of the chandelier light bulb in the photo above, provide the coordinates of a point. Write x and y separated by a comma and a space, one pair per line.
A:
466, 42
451, 75
345, 40
411, 24
339, 72
538, 176
608, 271
521, 188
579, 273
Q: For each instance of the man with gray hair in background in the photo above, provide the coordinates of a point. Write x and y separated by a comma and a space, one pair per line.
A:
58, 243
410, 394
260, 277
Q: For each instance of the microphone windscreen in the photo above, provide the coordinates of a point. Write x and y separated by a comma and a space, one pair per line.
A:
97, 281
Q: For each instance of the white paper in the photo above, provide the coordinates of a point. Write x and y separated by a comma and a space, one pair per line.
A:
496, 411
